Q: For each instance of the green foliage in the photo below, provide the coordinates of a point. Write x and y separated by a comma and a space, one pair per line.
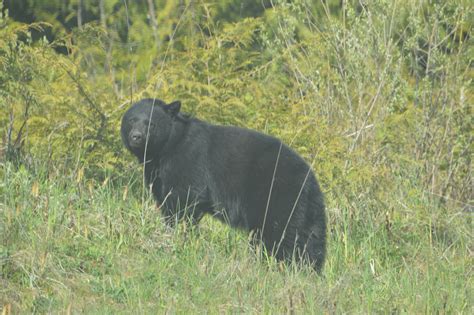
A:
376, 95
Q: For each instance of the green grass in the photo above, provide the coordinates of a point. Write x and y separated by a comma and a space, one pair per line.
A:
69, 244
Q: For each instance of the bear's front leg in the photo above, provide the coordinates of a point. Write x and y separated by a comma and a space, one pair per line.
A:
181, 205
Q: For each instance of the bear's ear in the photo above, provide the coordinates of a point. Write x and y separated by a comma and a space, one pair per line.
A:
173, 108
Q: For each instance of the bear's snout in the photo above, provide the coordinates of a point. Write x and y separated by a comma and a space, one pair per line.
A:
136, 138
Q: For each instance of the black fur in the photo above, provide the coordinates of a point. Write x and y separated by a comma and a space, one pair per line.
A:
242, 177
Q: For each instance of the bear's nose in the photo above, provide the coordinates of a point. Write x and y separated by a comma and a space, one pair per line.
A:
136, 136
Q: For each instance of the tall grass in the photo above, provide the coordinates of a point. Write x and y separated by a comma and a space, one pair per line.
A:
74, 245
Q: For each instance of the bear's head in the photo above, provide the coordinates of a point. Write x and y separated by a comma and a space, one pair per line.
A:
147, 125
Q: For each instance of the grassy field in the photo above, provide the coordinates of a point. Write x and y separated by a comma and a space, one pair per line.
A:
70, 245
376, 95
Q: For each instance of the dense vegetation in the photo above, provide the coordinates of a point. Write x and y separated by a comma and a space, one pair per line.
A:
376, 95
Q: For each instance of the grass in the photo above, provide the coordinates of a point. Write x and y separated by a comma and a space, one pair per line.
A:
70, 245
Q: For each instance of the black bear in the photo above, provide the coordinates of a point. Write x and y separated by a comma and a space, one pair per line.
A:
245, 178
